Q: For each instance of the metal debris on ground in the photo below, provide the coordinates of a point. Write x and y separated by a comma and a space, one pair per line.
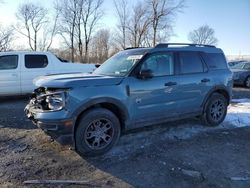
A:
68, 182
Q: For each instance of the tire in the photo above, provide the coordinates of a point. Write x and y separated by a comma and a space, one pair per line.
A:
247, 82
215, 110
97, 132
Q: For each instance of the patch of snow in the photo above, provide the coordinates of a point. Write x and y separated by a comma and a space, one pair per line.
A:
136, 142
239, 113
244, 100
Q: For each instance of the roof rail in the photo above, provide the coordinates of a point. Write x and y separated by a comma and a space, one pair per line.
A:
166, 45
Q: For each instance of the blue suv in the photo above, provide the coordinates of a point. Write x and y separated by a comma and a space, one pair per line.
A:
134, 88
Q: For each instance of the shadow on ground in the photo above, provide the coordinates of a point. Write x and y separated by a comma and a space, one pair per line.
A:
159, 161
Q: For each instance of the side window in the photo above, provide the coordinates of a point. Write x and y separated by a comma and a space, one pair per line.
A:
190, 62
215, 60
36, 61
160, 64
8, 62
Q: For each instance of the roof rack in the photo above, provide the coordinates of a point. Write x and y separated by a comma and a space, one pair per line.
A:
166, 45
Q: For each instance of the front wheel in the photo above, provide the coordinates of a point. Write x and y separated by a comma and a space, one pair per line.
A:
215, 110
97, 131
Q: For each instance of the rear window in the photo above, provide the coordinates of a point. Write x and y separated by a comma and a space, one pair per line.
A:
8, 62
190, 62
36, 61
215, 60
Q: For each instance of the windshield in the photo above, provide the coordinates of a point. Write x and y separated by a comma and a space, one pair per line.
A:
120, 64
238, 65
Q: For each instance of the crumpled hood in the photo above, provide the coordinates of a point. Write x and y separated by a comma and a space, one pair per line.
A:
75, 79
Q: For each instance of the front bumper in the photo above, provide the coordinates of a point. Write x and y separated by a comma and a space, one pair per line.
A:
60, 129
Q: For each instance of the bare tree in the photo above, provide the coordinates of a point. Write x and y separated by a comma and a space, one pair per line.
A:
138, 25
100, 46
31, 18
162, 14
121, 7
6, 37
67, 17
79, 12
78, 20
91, 14
50, 31
203, 35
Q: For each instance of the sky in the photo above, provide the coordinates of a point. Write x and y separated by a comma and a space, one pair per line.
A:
229, 18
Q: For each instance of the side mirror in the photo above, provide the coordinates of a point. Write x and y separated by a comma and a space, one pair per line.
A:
145, 74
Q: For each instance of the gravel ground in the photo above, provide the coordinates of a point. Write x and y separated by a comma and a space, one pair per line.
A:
176, 154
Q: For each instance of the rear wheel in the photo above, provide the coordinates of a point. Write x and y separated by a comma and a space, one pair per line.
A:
215, 110
247, 82
97, 131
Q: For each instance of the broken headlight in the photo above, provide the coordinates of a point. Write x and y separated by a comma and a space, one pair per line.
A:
56, 101
51, 100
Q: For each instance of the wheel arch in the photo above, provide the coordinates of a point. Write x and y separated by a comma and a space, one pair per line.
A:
217, 89
114, 105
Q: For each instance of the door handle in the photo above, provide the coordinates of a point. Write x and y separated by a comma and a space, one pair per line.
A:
205, 80
170, 84
14, 74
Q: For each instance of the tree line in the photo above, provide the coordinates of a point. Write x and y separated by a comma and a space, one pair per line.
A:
77, 24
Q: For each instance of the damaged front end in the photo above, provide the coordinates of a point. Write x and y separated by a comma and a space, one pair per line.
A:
47, 100
47, 109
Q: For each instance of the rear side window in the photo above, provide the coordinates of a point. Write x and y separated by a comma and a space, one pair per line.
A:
8, 62
36, 61
215, 60
190, 62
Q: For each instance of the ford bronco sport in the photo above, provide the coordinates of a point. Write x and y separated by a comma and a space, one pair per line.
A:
135, 87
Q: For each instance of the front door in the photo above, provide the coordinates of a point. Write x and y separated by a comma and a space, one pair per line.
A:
154, 98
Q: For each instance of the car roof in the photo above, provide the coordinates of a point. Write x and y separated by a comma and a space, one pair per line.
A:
24, 52
177, 47
189, 48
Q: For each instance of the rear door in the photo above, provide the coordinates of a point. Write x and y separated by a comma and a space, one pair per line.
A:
9, 75
194, 81
34, 65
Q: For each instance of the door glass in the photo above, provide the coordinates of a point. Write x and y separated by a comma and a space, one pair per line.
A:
190, 62
215, 60
160, 64
8, 62
36, 61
